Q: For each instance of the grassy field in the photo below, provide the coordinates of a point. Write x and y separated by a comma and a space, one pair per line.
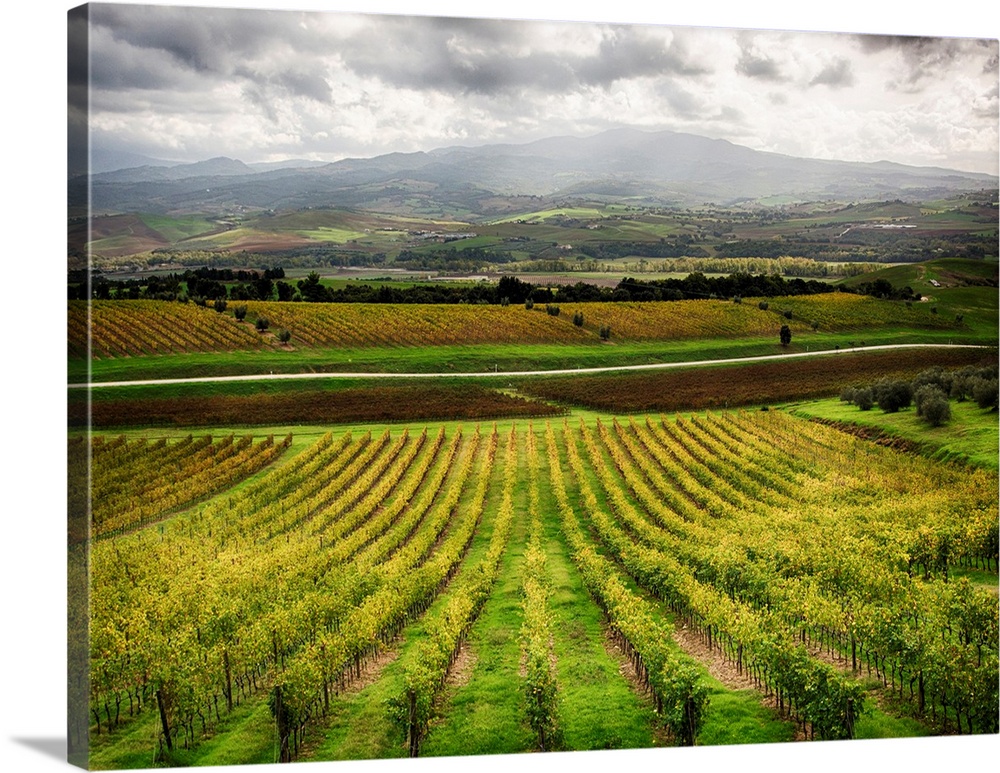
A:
970, 436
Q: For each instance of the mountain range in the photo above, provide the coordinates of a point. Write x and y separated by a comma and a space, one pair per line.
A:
656, 168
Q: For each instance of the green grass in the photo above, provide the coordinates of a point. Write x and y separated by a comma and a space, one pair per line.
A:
244, 736
971, 436
739, 717
488, 357
334, 235
176, 229
484, 715
597, 708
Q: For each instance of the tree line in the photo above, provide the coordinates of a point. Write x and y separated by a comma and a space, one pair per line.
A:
929, 392
206, 285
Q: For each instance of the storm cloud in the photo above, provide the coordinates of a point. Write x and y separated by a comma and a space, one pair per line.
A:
187, 83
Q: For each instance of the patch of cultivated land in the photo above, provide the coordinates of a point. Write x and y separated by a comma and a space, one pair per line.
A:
131, 328
319, 569
766, 552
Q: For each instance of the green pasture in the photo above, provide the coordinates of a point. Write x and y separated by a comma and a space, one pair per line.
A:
176, 229
971, 436
497, 358
331, 234
220, 240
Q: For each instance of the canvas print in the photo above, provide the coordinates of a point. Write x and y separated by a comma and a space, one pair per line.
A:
444, 387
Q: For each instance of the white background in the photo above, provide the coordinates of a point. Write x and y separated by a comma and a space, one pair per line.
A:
32, 336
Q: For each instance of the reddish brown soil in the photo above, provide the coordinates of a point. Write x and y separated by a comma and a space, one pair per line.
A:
753, 384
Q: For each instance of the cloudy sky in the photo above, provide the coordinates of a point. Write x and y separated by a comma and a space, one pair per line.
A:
190, 83
33, 136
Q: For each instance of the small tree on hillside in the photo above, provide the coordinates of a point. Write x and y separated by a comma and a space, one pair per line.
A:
240, 312
284, 336
892, 395
986, 393
263, 323
932, 405
785, 334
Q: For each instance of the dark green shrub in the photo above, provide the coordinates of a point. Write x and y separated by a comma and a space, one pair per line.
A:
985, 393
864, 398
935, 408
892, 395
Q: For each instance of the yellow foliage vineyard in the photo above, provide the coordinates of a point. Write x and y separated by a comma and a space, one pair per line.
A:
789, 545
134, 328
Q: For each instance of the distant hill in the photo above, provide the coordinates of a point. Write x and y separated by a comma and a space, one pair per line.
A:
213, 167
291, 163
103, 160
665, 168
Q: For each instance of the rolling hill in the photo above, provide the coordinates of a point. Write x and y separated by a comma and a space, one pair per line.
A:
665, 168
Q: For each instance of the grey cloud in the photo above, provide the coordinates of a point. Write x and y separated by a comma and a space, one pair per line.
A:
986, 106
992, 64
759, 67
202, 39
303, 84
150, 46
755, 64
297, 83
681, 101
257, 96
477, 56
628, 54
923, 57
837, 74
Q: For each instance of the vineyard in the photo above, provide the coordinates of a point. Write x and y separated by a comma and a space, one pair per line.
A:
748, 384
138, 328
318, 600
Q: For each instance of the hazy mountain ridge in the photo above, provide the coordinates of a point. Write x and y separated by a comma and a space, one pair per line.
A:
653, 167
